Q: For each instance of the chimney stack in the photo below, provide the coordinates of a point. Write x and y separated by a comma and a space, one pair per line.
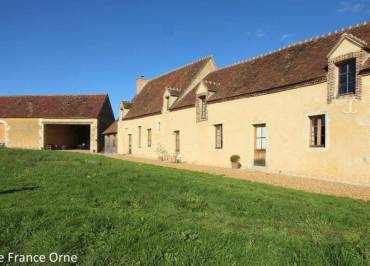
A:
140, 83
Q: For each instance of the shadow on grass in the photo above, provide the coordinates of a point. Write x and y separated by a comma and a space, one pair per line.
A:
15, 190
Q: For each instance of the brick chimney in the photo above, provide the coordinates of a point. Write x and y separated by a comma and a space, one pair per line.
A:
140, 83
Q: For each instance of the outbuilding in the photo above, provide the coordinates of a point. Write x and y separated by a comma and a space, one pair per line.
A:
55, 122
110, 138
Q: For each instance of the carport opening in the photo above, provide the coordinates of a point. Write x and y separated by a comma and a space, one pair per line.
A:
67, 137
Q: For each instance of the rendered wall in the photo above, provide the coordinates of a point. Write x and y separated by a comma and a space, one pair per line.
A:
2, 133
22, 133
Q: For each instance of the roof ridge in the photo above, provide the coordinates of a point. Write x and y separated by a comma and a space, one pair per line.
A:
181, 67
52, 95
294, 44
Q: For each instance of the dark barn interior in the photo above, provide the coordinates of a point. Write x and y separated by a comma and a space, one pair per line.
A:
67, 137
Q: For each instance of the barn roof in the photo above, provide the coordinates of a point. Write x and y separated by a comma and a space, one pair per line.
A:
52, 106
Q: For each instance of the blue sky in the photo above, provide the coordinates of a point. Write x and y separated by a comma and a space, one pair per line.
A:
87, 46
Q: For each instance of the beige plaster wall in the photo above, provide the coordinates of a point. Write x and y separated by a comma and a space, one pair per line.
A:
22, 133
2, 133
345, 47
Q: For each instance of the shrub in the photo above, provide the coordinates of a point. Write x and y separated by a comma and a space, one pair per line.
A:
234, 158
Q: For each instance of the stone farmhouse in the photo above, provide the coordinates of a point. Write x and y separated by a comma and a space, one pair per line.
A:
302, 110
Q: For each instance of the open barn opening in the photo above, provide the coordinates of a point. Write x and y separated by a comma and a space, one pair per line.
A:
66, 137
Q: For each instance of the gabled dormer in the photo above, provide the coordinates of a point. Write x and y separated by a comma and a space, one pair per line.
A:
169, 97
124, 107
204, 91
345, 61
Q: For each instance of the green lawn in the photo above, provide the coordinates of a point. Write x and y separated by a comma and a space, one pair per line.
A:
111, 212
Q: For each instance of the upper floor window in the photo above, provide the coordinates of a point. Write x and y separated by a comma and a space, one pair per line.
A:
317, 131
347, 77
168, 103
203, 108
201, 105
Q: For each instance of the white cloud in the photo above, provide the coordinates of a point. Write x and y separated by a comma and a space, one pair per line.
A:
351, 7
285, 37
260, 33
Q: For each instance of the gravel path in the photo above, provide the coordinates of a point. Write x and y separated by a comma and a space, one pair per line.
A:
295, 182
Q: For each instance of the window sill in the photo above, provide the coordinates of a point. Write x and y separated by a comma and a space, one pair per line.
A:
346, 96
317, 148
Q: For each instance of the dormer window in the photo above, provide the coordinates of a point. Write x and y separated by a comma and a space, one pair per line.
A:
345, 61
201, 104
203, 108
168, 103
347, 77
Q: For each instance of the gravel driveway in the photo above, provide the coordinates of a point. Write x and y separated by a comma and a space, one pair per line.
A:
295, 182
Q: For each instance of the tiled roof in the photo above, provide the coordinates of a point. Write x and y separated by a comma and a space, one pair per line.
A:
299, 63
54, 106
112, 129
150, 99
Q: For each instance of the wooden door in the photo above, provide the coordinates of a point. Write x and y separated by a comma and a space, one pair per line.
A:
129, 144
2, 134
114, 144
260, 145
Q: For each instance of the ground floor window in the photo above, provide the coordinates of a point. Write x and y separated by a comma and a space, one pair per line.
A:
218, 136
317, 131
260, 133
149, 137
139, 137
177, 141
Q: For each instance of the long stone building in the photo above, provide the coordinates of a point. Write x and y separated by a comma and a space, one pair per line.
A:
302, 110
55, 122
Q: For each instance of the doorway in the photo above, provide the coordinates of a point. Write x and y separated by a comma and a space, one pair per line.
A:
66, 137
260, 145
129, 144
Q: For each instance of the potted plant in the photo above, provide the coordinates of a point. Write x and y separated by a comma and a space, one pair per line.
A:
235, 164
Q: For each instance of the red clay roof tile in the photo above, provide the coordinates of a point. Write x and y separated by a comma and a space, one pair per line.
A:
150, 101
112, 129
296, 64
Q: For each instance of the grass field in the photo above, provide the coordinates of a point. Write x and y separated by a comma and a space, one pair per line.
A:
111, 212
